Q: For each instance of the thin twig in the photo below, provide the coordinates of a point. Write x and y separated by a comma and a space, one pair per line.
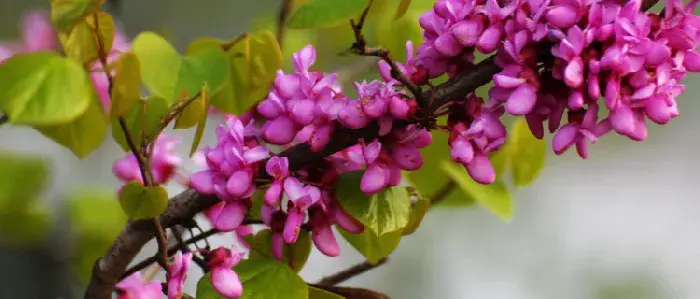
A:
174, 249
442, 193
233, 42
175, 110
351, 272
285, 10
360, 47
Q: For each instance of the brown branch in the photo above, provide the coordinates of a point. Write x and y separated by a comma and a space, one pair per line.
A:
108, 269
442, 193
285, 10
172, 250
348, 273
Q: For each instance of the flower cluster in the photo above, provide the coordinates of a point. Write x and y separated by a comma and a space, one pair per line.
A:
39, 35
564, 56
557, 57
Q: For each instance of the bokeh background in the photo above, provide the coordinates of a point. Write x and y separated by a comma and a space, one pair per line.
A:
621, 225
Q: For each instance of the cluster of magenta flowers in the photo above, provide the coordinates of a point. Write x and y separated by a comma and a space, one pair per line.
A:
557, 58
566, 57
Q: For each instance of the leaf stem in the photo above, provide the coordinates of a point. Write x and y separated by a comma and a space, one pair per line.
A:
442, 193
285, 10
351, 272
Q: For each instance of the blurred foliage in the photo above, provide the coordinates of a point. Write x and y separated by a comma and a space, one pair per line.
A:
96, 219
25, 220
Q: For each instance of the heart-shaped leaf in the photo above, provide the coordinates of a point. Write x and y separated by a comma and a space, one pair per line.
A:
80, 42
43, 88
167, 75
495, 197
83, 135
402, 9
141, 202
262, 278
294, 255
372, 246
126, 84
527, 154
384, 212
66, 13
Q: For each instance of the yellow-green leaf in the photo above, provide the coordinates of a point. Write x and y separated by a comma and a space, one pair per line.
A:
262, 278
316, 293
495, 197
192, 114
166, 74
402, 9
325, 13
383, 212
141, 202
84, 134
80, 42
126, 84
294, 255
202, 122
266, 59
527, 154
148, 112
371, 246
66, 13
43, 88
418, 211
394, 34
430, 178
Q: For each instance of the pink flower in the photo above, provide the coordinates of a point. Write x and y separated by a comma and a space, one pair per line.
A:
224, 280
164, 162
133, 287
177, 273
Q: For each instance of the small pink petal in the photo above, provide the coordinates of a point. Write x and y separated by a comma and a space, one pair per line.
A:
226, 283
239, 183
481, 170
522, 100
374, 179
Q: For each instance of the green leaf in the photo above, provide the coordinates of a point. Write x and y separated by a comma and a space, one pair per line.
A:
294, 255
393, 35
418, 210
24, 220
95, 219
83, 135
495, 197
262, 278
402, 9
430, 178
527, 154
192, 114
371, 246
325, 13
22, 177
384, 212
500, 159
266, 59
142, 202
127, 84
80, 42
166, 74
27, 226
316, 293
43, 88
202, 123
66, 13
146, 112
